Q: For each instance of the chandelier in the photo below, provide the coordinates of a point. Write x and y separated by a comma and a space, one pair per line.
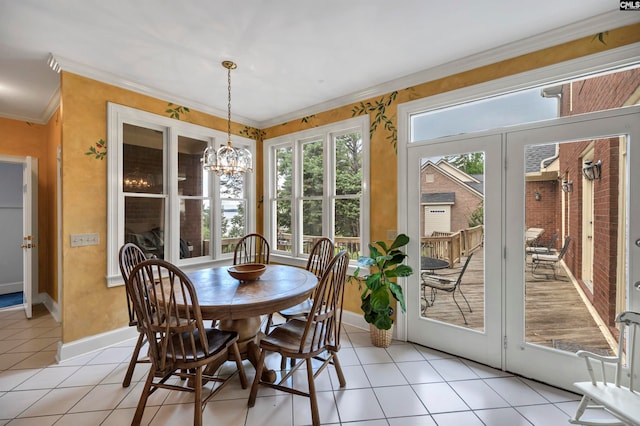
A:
228, 160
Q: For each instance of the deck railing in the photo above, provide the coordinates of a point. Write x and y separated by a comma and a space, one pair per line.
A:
451, 246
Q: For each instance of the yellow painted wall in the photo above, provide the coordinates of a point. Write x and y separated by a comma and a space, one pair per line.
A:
89, 306
22, 139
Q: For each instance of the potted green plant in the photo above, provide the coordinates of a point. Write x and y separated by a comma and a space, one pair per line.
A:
380, 289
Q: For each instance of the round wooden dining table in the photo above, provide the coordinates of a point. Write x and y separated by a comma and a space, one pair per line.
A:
237, 305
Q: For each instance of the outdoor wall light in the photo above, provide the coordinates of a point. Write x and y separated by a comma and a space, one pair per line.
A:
538, 196
567, 185
591, 170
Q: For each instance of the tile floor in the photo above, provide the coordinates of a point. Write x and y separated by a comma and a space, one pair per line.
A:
405, 384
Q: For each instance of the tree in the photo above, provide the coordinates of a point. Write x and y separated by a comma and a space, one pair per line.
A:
471, 163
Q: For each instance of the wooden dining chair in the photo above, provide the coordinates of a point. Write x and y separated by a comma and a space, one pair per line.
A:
252, 248
316, 336
320, 256
180, 345
129, 256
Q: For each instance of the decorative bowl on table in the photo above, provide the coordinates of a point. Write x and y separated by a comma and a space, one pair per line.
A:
247, 272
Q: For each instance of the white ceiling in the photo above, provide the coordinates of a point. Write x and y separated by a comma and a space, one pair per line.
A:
294, 56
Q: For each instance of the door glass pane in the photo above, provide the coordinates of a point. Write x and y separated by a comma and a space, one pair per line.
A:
144, 224
452, 234
347, 230
574, 236
284, 191
194, 213
142, 161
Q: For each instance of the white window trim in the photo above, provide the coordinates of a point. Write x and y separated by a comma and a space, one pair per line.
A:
293, 140
117, 115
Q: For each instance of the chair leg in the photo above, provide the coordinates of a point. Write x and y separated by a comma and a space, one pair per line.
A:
256, 380
134, 360
197, 403
315, 412
238, 358
465, 298
459, 308
137, 418
338, 367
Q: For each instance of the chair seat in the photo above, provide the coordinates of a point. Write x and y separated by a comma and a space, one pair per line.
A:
299, 310
619, 400
286, 338
218, 341
439, 282
541, 250
540, 257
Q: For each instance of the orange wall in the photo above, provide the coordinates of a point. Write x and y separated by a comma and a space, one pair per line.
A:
22, 139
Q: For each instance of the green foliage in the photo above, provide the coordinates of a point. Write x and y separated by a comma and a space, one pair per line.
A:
477, 216
99, 151
378, 110
471, 163
600, 37
385, 264
176, 111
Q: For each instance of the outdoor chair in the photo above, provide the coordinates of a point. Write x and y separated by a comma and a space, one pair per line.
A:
252, 248
548, 260
129, 256
315, 337
619, 395
548, 249
448, 282
180, 346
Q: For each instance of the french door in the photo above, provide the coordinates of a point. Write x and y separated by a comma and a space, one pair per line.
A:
510, 311
472, 327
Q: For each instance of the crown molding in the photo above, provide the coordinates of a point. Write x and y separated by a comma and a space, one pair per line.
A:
68, 65
52, 106
577, 30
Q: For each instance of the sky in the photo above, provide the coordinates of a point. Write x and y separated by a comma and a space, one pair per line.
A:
506, 110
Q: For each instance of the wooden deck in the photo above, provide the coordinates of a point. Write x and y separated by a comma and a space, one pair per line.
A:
556, 315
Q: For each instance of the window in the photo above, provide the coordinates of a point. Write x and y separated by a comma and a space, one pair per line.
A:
160, 198
317, 186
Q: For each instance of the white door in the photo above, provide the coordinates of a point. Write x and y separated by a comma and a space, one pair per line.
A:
473, 330
29, 231
544, 327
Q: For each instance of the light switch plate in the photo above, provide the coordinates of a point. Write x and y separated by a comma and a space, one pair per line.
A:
80, 240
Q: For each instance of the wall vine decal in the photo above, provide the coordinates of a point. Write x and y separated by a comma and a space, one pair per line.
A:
253, 133
176, 111
378, 109
99, 151
600, 37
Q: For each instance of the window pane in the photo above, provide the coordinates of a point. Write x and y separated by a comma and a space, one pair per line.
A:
311, 223
312, 169
347, 230
283, 220
142, 162
283, 170
232, 186
349, 164
194, 217
144, 224
233, 219
190, 173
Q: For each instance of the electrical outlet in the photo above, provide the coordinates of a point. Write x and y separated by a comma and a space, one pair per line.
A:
80, 240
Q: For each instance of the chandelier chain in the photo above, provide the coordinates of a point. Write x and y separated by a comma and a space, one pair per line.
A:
229, 105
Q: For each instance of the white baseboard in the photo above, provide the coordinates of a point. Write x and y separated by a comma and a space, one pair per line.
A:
93, 343
6, 288
52, 306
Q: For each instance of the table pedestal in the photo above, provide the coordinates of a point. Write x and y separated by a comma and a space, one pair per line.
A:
248, 330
